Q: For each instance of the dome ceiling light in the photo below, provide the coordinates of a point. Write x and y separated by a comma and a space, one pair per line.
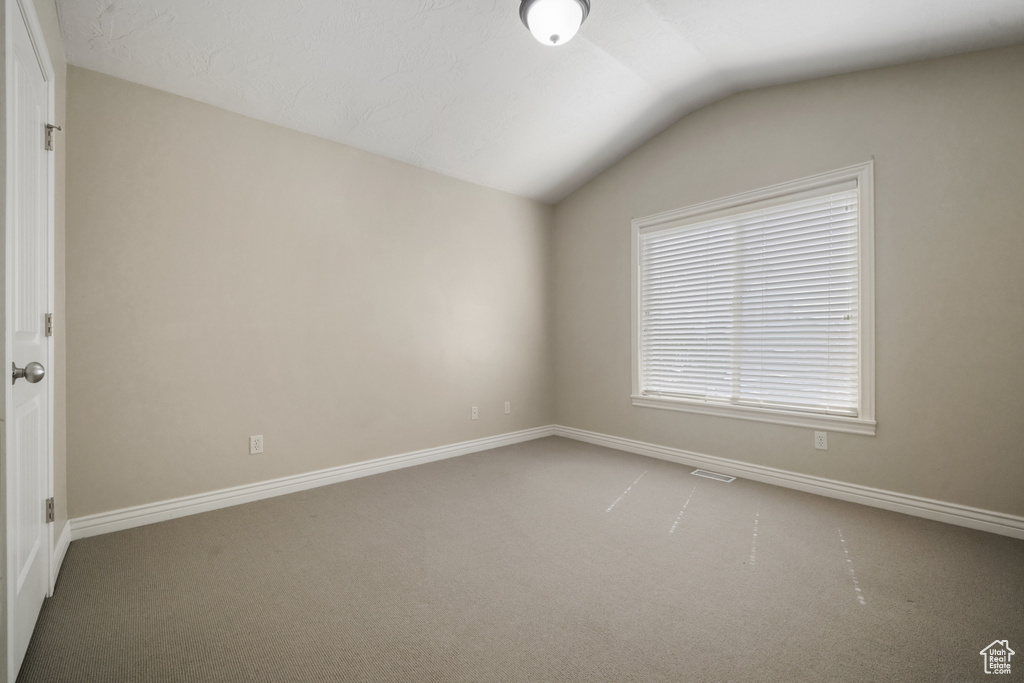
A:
554, 22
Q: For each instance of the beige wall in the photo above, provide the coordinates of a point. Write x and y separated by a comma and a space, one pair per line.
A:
227, 277
947, 137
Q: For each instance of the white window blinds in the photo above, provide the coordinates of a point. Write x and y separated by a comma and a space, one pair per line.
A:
757, 308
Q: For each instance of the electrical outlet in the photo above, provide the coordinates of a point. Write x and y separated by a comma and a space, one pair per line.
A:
508, 407
255, 444
821, 441
475, 412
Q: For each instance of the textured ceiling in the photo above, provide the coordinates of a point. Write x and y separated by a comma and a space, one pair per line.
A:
460, 86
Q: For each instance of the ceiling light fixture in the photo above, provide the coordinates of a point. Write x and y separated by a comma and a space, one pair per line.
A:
554, 22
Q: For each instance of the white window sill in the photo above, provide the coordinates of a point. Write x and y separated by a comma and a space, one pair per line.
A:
832, 423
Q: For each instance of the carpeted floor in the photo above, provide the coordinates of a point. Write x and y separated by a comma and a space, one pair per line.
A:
551, 560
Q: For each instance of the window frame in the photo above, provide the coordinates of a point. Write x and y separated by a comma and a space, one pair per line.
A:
864, 423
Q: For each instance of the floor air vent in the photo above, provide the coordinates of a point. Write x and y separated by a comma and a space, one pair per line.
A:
713, 475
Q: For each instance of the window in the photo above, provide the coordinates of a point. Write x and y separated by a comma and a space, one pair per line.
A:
760, 306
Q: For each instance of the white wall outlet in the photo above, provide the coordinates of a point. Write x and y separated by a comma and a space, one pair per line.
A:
255, 444
821, 441
508, 407
475, 412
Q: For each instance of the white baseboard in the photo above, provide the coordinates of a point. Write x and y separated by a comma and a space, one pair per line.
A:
127, 518
60, 549
951, 513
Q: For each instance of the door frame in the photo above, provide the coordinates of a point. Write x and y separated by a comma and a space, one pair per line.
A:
24, 10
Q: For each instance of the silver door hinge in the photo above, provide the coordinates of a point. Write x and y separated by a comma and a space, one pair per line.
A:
49, 510
49, 324
49, 135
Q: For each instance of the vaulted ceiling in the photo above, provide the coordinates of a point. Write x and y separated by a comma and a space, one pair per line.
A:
460, 87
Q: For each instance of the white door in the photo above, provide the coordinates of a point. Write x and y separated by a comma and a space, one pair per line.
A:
29, 268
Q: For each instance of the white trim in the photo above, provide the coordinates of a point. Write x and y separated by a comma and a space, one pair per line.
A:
863, 175
832, 423
51, 286
127, 518
866, 283
950, 513
765, 194
59, 551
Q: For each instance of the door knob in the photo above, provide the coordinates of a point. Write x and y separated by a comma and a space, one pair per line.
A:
33, 372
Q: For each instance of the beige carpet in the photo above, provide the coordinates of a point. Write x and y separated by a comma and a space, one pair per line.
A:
547, 561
